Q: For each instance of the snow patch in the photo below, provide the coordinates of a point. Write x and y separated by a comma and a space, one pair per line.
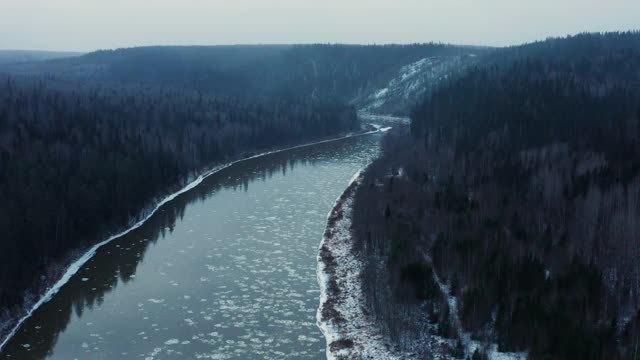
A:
469, 344
381, 93
411, 82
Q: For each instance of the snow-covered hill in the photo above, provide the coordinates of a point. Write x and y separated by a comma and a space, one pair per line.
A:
396, 95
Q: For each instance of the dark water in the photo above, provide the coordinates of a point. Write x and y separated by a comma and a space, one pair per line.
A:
227, 270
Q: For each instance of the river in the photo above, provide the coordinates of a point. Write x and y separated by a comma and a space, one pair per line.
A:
226, 270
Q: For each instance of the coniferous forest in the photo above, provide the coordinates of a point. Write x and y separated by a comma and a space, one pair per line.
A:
519, 191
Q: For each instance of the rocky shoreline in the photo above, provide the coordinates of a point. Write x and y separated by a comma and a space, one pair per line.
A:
349, 330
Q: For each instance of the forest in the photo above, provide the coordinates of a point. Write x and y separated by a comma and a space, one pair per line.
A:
517, 189
79, 160
320, 72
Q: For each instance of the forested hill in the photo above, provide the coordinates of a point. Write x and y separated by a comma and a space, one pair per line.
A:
345, 73
520, 190
80, 161
571, 48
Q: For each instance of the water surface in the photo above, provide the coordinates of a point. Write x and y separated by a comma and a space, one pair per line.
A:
227, 270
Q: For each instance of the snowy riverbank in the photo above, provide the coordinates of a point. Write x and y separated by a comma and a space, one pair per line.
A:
350, 333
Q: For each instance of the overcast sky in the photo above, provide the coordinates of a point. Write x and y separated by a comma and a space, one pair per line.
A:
86, 25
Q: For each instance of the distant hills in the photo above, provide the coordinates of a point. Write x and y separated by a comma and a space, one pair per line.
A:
354, 74
22, 56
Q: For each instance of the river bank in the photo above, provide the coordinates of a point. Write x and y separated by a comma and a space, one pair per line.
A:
349, 331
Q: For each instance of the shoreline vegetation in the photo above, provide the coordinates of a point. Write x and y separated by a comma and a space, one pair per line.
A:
61, 272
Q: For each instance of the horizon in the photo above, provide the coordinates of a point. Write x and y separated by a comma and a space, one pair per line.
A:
65, 50
85, 26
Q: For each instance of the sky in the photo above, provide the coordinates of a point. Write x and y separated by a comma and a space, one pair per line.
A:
86, 25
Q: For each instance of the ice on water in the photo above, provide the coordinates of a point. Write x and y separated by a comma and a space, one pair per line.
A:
236, 276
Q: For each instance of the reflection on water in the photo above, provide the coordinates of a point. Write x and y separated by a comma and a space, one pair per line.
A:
226, 270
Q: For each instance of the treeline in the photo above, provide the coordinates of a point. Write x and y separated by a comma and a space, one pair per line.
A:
78, 161
521, 190
588, 46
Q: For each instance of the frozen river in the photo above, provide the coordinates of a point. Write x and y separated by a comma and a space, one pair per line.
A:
226, 270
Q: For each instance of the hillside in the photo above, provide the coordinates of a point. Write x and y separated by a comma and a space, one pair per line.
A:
345, 73
507, 218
